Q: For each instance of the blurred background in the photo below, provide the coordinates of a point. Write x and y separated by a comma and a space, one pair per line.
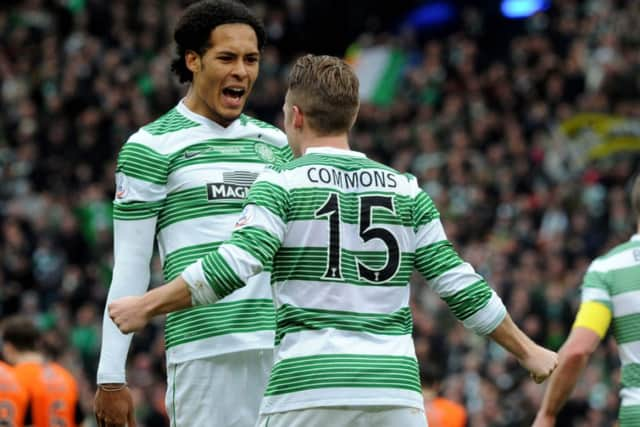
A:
520, 118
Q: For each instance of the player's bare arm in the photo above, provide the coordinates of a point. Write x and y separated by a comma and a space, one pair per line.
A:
539, 361
133, 313
573, 357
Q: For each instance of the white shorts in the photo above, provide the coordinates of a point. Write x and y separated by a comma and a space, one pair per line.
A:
362, 416
221, 391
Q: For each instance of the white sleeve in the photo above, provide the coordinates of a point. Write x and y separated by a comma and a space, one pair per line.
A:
133, 248
201, 291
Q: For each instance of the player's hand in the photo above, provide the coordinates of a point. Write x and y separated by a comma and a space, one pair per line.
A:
128, 314
544, 420
540, 363
114, 408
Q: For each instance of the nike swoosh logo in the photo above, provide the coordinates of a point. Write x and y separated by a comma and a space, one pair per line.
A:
191, 154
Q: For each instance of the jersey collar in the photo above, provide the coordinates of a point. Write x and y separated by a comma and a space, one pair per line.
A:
185, 111
332, 150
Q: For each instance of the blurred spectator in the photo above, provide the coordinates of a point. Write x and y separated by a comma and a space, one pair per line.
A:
441, 412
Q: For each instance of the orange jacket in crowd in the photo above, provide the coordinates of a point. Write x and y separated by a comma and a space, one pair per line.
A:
13, 398
53, 394
443, 412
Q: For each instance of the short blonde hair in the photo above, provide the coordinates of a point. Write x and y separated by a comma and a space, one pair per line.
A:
326, 89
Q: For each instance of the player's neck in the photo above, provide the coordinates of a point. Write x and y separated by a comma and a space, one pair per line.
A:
29, 357
199, 107
332, 141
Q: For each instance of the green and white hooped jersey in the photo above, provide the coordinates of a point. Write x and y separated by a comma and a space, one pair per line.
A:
345, 234
188, 176
614, 280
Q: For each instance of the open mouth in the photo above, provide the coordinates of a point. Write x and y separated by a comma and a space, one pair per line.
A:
234, 92
233, 97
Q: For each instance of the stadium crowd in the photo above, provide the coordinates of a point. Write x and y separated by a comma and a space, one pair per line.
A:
481, 127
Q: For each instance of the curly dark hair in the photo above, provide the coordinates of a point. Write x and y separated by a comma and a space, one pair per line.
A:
195, 25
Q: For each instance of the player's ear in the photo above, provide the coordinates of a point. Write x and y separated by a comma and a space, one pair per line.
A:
193, 61
298, 117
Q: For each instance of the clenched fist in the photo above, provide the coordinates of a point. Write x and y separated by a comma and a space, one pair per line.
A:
540, 363
128, 314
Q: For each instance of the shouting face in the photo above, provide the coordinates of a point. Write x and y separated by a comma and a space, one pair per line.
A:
224, 75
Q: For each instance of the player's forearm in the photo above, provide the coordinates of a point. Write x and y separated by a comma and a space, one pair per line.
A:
539, 361
131, 314
512, 339
573, 357
173, 296
562, 382
113, 353
133, 247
